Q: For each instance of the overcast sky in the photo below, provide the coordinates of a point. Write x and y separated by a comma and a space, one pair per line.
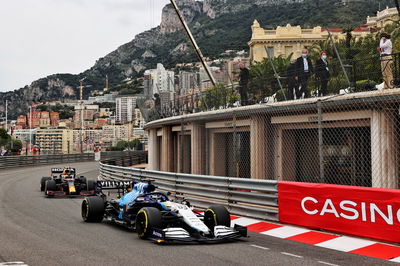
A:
43, 37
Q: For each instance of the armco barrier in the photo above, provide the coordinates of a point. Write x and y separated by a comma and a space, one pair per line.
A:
133, 157
18, 161
248, 197
124, 159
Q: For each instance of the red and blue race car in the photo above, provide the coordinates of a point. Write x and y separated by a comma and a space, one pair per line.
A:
65, 181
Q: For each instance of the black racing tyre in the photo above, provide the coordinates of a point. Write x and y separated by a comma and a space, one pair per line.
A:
93, 209
49, 185
43, 182
147, 218
216, 215
90, 185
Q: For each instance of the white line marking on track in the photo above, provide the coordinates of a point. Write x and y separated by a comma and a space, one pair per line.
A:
293, 255
327, 263
255, 246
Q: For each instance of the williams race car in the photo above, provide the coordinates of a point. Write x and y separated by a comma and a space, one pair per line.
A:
154, 216
64, 181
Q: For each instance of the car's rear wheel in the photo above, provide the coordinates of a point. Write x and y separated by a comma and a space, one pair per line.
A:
216, 215
147, 218
90, 185
43, 182
50, 185
93, 209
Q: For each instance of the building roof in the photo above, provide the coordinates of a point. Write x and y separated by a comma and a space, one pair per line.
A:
360, 100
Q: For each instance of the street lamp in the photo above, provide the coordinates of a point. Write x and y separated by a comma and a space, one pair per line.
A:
30, 128
81, 108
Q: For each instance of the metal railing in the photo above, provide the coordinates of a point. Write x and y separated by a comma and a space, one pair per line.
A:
126, 158
18, 161
364, 75
247, 197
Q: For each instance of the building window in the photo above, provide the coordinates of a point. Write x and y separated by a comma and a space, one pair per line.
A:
288, 50
270, 50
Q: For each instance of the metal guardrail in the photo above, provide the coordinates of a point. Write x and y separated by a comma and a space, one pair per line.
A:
242, 196
18, 161
126, 158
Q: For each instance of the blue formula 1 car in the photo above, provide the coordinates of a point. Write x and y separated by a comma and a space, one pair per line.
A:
154, 216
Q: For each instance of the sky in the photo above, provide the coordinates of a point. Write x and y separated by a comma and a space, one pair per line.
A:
43, 37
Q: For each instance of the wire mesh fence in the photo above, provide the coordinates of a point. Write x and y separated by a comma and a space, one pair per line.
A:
350, 138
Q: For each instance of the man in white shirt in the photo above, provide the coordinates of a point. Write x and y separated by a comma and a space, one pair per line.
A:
385, 49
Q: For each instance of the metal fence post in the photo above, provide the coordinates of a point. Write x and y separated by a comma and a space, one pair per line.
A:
320, 144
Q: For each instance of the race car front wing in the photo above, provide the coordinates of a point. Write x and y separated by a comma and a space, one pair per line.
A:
221, 233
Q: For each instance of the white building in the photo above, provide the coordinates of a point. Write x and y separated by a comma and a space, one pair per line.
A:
115, 133
125, 109
383, 17
139, 119
158, 80
188, 81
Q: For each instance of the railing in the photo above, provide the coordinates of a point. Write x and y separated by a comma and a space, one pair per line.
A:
126, 158
129, 158
363, 74
242, 196
18, 161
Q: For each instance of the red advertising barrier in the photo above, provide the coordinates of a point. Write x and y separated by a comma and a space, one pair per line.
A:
361, 211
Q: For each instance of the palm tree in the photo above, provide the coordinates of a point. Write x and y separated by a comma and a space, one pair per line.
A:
263, 82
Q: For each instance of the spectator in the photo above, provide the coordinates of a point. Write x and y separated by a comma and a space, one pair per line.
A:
244, 77
304, 69
291, 81
385, 49
322, 74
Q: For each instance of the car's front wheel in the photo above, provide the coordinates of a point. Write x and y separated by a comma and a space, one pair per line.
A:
216, 215
50, 185
43, 182
146, 219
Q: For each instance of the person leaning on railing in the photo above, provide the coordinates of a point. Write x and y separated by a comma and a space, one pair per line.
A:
385, 50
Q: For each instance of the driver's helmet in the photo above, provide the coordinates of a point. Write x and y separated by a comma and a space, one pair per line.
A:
66, 172
150, 188
143, 188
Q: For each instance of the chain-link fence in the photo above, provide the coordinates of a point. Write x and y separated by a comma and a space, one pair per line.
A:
350, 138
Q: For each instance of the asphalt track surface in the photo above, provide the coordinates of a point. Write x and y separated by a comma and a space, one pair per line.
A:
43, 231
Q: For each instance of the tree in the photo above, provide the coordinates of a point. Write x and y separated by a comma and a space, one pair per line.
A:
4, 137
14, 145
218, 96
133, 144
121, 145
263, 82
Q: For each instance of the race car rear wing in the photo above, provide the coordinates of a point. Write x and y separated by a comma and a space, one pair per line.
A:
106, 185
120, 186
60, 170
